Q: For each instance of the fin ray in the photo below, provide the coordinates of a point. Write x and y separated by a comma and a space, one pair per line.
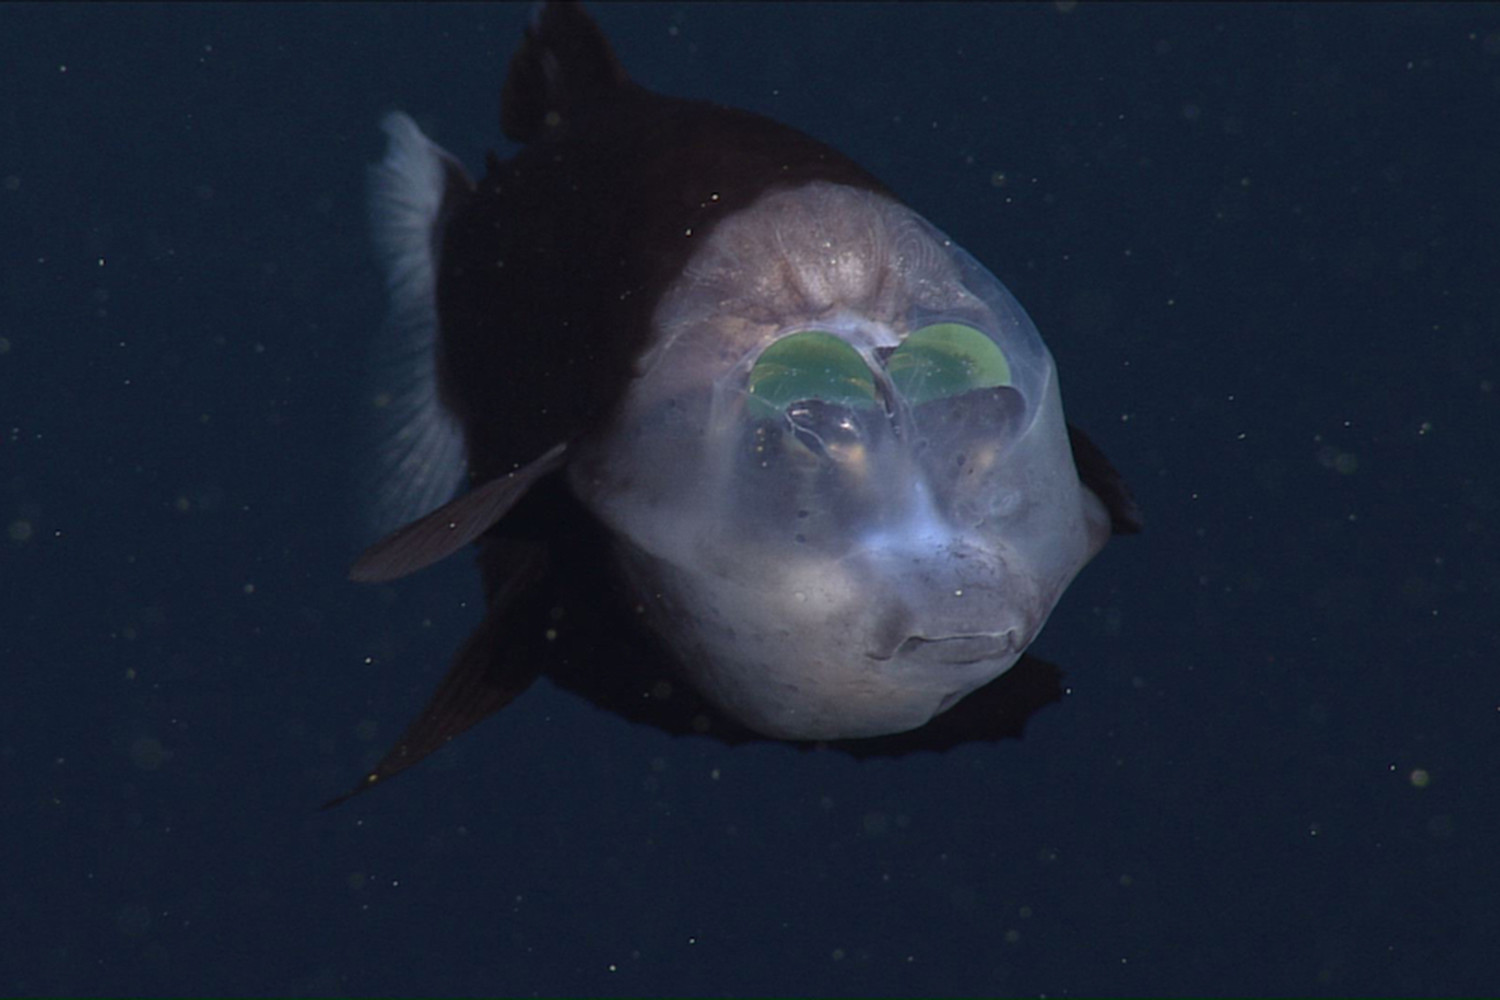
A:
443, 532
421, 446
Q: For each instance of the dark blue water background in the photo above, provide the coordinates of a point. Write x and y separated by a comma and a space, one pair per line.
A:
1262, 244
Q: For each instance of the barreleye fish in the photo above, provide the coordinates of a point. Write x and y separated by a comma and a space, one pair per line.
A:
750, 448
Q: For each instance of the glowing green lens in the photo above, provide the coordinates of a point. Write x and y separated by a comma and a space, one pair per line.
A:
946, 359
811, 365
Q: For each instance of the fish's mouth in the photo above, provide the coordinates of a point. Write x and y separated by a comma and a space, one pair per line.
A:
952, 650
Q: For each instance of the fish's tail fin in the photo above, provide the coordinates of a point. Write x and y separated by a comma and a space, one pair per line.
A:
563, 63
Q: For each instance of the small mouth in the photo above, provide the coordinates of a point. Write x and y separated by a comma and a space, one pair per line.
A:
955, 649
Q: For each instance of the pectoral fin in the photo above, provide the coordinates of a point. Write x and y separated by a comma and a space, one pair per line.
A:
497, 663
1099, 476
433, 538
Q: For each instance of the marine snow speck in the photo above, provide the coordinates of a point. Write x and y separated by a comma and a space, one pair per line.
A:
751, 449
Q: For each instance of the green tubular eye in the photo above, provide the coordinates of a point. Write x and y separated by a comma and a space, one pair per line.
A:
946, 359
810, 365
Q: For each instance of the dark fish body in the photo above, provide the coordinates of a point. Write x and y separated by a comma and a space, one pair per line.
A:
753, 450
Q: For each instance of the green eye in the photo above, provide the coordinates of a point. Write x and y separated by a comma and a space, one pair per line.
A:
811, 365
946, 359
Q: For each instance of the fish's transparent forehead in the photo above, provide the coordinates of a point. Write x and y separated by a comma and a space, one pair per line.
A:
824, 257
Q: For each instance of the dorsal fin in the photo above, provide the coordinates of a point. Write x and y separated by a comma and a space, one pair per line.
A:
564, 63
